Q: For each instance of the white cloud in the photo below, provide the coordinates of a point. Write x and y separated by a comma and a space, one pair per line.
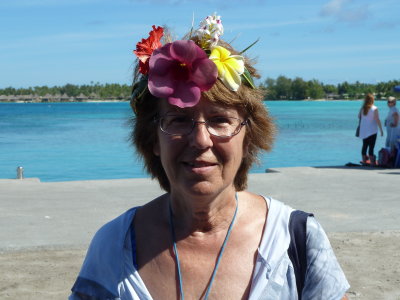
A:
333, 7
354, 15
345, 10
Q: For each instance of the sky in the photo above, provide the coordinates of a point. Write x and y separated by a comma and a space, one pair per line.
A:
55, 42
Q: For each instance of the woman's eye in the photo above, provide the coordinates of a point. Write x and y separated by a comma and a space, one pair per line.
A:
179, 119
221, 120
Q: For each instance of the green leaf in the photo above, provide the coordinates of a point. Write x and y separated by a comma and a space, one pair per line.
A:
247, 77
241, 52
191, 29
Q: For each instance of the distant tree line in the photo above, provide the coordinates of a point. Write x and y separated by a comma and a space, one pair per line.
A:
102, 91
283, 88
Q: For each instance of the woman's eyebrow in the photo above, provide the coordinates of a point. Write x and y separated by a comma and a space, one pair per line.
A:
174, 111
221, 110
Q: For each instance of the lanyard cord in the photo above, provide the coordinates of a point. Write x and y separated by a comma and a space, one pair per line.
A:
228, 233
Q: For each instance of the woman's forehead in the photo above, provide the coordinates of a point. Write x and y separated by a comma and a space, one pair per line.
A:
203, 106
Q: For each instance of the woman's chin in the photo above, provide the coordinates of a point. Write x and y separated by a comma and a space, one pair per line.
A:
201, 188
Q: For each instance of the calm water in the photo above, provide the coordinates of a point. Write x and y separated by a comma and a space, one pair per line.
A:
84, 141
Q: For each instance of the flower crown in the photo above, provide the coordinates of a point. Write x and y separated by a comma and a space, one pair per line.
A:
181, 70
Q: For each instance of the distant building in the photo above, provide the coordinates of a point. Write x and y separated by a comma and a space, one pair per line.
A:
332, 96
4, 98
81, 97
65, 98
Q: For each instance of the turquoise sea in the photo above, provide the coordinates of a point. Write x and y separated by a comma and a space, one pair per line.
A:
85, 141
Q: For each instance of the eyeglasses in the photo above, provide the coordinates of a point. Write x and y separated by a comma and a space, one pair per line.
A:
219, 126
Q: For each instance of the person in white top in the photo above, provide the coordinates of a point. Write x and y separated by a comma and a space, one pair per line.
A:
392, 124
369, 123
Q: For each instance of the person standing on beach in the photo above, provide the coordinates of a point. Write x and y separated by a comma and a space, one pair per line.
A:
199, 125
392, 124
369, 123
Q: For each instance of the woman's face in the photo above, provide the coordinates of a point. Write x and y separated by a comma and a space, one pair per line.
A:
199, 163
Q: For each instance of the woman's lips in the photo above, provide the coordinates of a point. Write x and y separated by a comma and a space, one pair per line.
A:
199, 166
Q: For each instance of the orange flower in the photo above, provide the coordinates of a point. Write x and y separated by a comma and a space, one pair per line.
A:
145, 48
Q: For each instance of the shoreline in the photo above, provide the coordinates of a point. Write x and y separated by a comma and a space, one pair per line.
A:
128, 100
83, 101
267, 171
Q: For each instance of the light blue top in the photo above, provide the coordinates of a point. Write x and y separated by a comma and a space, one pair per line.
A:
392, 133
109, 272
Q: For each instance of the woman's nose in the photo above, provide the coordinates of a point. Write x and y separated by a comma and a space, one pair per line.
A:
200, 137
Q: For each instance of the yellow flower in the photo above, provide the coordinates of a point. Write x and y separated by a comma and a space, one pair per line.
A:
230, 67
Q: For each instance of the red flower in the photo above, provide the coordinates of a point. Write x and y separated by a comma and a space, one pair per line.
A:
145, 48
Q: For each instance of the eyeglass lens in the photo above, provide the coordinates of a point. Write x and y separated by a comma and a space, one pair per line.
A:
183, 125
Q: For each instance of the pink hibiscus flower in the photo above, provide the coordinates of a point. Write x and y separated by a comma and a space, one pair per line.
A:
179, 72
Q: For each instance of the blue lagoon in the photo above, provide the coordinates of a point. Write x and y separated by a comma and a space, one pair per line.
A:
87, 141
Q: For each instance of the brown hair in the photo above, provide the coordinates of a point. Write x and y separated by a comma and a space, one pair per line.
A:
368, 102
259, 136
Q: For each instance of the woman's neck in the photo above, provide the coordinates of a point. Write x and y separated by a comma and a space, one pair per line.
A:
202, 215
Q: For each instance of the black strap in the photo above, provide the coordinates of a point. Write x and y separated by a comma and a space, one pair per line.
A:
297, 247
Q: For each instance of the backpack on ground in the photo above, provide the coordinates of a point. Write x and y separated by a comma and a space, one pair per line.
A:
384, 158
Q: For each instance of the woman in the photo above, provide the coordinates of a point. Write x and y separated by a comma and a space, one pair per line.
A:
369, 123
392, 124
199, 126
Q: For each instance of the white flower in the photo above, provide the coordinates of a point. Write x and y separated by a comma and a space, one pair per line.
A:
209, 32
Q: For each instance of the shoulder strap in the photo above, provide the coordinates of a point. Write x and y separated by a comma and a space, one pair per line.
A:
297, 247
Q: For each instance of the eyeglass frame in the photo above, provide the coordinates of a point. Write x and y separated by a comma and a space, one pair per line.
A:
240, 126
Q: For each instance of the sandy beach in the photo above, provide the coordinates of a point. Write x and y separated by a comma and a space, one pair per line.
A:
46, 227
